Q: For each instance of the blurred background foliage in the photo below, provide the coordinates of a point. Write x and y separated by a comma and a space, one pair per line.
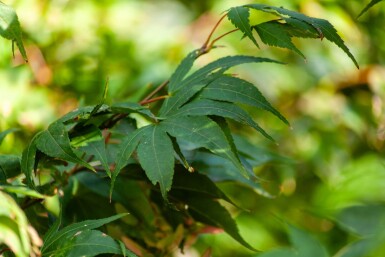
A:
332, 187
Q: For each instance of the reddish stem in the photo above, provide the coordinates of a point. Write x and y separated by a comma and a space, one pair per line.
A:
204, 46
156, 90
143, 102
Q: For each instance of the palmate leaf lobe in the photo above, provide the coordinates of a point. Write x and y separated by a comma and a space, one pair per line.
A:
370, 5
239, 16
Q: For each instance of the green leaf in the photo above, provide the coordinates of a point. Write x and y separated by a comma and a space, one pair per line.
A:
13, 226
6, 132
54, 142
9, 166
156, 156
275, 34
324, 27
279, 253
181, 71
22, 190
98, 150
236, 90
171, 104
127, 107
198, 183
56, 238
87, 243
370, 5
212, 213
239, 16
28, 160
127, 147
10, 27
206, 107
202, 132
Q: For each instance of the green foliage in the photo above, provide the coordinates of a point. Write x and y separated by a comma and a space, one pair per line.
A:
10, 28
166, 161
370, 5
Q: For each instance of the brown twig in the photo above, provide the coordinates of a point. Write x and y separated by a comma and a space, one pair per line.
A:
220, 37
155, 91
154, 99
204, 46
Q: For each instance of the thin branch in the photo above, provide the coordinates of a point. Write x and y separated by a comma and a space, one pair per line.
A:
220, 37
204, 46
155, 91
154, 99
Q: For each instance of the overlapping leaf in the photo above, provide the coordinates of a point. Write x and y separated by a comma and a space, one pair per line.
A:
202, 132
211, 212
203, 77
275, 35
239, 16
9, 166
236, 90
55, 238
127, 107
10, 27
28, 160
54, 142
181, 71
156, 156
207, 107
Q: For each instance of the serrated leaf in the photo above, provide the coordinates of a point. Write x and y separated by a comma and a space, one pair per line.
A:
10, 28
298, 28
206, 107
127, 147
198, 183
87, 243
56, 238
370, 5
182, 70
239, 16
77, 114
4, 133
28, 160
324, 27
236, 90
98, 150
9, 166
202, 132
211, 212
274, 33
127, 107
156, 156
54, 142
171, 104
222, 64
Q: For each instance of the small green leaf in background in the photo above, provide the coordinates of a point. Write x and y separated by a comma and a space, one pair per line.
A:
55, 142
21, 190
156, 156
10, 27
56, 240
239, 16
13, 227
4, 133
370, 5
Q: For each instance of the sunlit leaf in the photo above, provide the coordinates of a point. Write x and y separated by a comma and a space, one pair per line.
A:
57, 238
156, 156
274, 33
370, 5
211, 212
236, 90
54, 142
10, 27
324, 27
202, 132
13, 227
21, 190
239, 16
206, 107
